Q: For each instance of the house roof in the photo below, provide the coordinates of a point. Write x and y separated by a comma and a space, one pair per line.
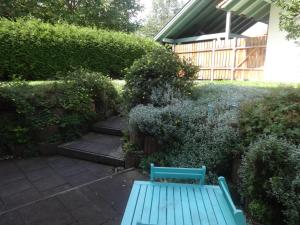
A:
199, 17
256, 9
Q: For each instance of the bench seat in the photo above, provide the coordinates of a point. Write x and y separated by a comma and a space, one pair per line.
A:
161, 203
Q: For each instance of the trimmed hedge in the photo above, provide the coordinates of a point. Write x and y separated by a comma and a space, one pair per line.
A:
52, 111
33, 50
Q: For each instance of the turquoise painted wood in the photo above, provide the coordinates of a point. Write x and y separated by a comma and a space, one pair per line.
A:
178, 173
160, 203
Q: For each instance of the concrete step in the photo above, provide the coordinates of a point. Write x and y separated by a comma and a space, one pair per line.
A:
113, 126
101, 148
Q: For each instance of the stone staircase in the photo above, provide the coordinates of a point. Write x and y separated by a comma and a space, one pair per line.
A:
103, 144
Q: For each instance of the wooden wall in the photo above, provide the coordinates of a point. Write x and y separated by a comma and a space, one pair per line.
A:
233, 59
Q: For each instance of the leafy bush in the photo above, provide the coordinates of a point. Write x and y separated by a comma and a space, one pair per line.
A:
33, 50
277, 114
199, 131
52, 111
155, 70
271, 181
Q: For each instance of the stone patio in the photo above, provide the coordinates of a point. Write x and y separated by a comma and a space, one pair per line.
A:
62, 191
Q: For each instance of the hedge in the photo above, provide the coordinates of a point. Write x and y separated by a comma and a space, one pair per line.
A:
52, 111
33, 50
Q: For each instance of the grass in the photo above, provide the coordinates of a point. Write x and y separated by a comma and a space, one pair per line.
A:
36, 85
262, 84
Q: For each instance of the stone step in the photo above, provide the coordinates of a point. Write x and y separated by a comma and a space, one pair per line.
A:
114, 126
101, 148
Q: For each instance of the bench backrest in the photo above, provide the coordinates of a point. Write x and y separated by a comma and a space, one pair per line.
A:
178, 173
237, 214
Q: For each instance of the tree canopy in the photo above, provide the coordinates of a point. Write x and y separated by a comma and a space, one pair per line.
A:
290, 10
110, 14
161, 13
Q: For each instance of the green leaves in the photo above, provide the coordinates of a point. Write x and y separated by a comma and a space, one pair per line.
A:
277, 114
45, 111
157, 69
271, 167
107, 14
33, 50
290, 9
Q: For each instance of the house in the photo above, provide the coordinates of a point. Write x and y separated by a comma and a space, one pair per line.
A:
216, 23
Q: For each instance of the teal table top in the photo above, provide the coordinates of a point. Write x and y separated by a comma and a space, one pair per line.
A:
159, 203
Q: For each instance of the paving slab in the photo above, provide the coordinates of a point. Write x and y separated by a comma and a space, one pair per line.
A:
20, 198
21, 182
100, 201
47, 212
96, 147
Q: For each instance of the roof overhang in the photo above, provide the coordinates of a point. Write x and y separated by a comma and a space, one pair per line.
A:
205, 17
256, 9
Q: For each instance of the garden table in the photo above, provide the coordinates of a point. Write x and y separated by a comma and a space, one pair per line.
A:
172, 203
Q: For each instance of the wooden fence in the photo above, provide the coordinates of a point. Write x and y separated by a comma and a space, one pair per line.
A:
233, 59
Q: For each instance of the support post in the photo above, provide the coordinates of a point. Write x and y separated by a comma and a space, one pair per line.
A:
233, 59
213, 61
228, 25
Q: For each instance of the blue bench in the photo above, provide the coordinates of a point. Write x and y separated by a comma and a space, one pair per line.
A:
163, 203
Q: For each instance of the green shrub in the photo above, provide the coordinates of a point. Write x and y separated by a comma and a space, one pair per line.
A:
202, 131
52, 111
157, 69
33, 50
270, 175
277, 114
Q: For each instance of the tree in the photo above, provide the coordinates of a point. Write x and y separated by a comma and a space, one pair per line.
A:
162, 12
290, 9
110, 14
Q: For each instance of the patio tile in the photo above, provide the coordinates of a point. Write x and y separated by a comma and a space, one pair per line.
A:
20, 198
122, 183
28, 165
9, 172
99, 170
71, 170
58, 162
14, 187
73, 200
49, 182
2, 206
47, 212
40, 174
81, 178
89, 216
56, 189
102, 205
12, 218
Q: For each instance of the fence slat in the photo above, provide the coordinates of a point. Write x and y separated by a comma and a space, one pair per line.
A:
234, 59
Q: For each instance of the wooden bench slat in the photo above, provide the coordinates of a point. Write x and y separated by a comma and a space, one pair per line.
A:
148, 204
185, 206
201, 207
162, 213
170, 205
216, 207
208, 207
140, 205
131, 205
177, 173
193, 206
225, 208
178, 205
160, 203
155, 205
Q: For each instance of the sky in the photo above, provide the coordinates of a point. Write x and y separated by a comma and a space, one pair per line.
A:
147, 8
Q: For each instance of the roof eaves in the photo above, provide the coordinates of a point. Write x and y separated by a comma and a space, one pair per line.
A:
176, 18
